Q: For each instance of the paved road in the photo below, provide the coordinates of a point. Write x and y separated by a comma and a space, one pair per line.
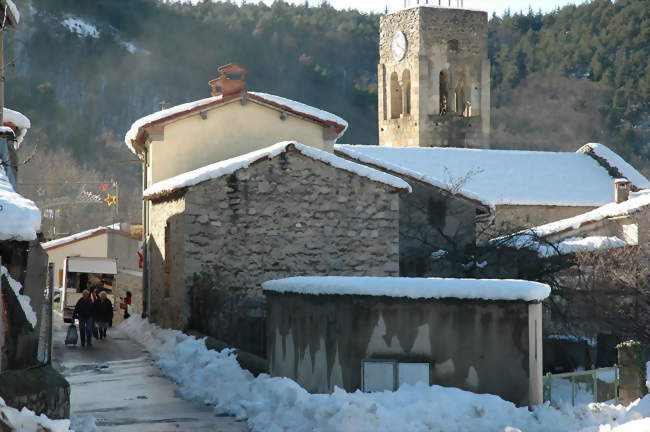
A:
116, 382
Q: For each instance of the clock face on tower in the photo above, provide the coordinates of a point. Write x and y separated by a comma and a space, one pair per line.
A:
399, 46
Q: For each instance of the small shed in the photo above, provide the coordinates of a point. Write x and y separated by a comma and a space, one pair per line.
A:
378, 333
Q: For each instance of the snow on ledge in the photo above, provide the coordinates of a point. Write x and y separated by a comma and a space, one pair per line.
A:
229, 166
14, 11
19, 120
414, 288
20, 219
23, 300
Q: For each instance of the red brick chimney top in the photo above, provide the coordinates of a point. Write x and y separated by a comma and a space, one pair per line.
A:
231, 81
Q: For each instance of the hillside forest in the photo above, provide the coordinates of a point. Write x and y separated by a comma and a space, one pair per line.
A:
84, 71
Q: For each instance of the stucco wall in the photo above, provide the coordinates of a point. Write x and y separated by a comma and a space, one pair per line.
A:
286, 216
320, 341
431, 221
229, 130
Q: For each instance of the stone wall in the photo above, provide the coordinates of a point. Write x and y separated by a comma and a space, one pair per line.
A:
510, 218
42, 390
127, 280
287, 216
480, 346
431, 220
170, 306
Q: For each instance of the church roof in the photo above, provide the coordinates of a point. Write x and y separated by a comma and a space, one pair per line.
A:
137, 132
216, 170
506, 177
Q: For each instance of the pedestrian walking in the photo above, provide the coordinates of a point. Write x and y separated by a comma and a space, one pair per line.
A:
103, 314
84, 311
126, 305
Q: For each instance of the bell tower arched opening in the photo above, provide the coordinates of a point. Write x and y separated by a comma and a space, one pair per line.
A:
395, 96
406, 89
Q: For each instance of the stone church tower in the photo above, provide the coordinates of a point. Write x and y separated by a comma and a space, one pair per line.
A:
434, 78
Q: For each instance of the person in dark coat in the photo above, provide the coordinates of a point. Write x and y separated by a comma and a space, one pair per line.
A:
103, 314
84, 311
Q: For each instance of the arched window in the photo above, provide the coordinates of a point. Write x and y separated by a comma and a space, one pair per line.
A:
452, 45
395, 96
406, 88
445, 80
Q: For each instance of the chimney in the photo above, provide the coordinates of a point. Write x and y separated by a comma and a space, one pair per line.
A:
231, 81
622, 188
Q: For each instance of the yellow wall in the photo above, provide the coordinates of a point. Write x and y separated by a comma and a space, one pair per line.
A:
230, 130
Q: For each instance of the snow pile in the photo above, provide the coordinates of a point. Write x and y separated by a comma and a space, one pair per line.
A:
19, 120
498, 177
614, 160
81, 27
23, 300
229, 166
20, 219
79, 236
279, 404
27, 421
302, 108
414, 288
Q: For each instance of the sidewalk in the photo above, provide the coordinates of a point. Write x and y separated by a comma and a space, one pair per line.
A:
116, 382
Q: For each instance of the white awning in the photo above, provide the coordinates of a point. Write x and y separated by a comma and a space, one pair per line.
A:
92, 265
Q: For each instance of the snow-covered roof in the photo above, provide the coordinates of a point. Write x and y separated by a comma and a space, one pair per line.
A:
80, 236
618, 163
414, 288
170, 114
229, 166
500, 177
19, 120
23, 300
636, 203
20, 219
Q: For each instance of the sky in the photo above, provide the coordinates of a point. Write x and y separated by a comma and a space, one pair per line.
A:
498, 6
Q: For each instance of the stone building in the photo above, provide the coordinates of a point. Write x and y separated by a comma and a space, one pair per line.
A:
521, 189
230, 123
220, 231
434, 78
376, 334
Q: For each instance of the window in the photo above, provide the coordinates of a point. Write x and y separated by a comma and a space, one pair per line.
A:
444, 92
452, 45
395, 96
382, 375
406, 88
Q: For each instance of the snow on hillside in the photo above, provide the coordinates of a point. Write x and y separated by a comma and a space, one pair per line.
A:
279, 404
81, 27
